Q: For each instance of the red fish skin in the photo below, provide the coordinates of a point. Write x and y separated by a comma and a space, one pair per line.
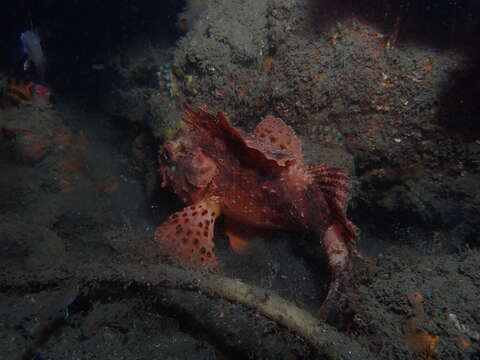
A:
209, 158
246, 195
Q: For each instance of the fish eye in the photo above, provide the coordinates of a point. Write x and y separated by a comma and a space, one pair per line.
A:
166, 155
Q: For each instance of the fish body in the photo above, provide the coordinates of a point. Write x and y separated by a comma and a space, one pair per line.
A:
32, 47
254, 181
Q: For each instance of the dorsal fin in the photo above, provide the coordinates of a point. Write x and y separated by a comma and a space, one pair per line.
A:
278, 136
219, 126
216, 125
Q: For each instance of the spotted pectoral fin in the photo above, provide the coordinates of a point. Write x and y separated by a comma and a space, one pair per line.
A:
187, 235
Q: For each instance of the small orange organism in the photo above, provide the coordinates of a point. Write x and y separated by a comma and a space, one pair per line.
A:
419, 341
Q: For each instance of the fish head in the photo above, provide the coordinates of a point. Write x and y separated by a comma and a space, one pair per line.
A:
187, 169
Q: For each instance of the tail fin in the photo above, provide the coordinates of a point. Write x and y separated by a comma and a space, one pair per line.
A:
335, 184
